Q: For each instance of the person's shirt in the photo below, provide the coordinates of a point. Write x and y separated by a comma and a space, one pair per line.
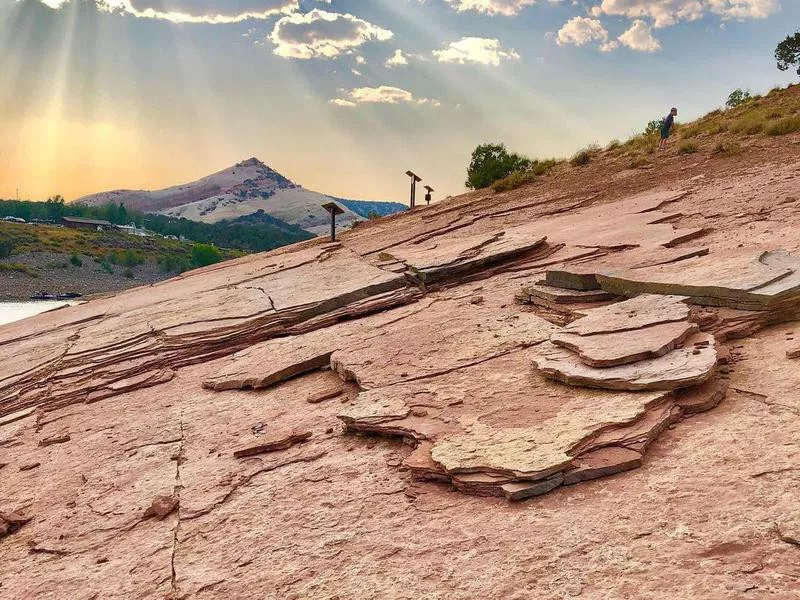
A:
668, 122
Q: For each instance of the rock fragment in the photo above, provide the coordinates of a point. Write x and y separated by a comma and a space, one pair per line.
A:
11, 522
282, 441
58, 439
162, 507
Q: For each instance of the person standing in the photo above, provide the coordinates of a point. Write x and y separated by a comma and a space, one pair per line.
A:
666, 127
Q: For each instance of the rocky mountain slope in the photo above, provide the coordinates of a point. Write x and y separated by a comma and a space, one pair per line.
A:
242, 190
585, 387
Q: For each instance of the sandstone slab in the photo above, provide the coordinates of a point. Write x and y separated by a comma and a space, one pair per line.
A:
626, 347
683, 367
639, 312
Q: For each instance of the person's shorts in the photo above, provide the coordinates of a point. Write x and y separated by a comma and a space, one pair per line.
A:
664, 133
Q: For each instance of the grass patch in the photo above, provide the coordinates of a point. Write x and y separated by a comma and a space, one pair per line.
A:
727, 149
688, 148
538, 168
18, 268
76, 260
784, 126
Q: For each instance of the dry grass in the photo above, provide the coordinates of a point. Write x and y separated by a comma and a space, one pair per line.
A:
18, 268
688, 148
783, 126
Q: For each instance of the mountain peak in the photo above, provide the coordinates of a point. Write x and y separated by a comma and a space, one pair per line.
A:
252, 162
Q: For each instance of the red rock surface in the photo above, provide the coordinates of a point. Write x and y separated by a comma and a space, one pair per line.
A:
615, 494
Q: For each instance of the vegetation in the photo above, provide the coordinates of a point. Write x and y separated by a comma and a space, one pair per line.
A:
653, 127
784, 126
492, 162
727, 149
788, 52
365, 208
204, 255
582, 157
537, 168
254, 233
687, 148
6, 248
737, 98
18, 268
109, 249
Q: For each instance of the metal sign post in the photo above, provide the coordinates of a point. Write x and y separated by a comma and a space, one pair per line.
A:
414, 180
334, 209
428, 196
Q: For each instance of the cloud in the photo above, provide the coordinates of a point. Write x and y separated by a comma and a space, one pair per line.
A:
664, 13
475, 50
397, 60
193, 11
640, 37
322, 34
580, 31
380, 95
507, 8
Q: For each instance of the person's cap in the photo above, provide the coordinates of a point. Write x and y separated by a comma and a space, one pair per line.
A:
674, 109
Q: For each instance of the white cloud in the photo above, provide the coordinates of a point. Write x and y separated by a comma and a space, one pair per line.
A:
475, 50
380, 95
668, 12
397, 60
322, 34
506, 8
193, 11
640, 37
580, 31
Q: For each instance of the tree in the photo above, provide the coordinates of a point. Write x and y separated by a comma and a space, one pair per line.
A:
788, 52
653, 127
737, 98
55, 208
204, 255
491, 162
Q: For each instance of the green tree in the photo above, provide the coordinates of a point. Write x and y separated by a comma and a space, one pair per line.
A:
55, 207
788, 52
204, 255
737, 98
491, 162
653, 127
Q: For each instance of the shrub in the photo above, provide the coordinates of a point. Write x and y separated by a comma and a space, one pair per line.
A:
727, 149
204, 255
653, 127
6, 248
750, 124
784, 126
613, 145
106, 266
581, 158
18, 268
513, 181
687, 148
76, 260
492, 162
737, 98
128, 273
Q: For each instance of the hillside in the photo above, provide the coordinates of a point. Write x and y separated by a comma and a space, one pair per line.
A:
59, 260
585, 386
239, 191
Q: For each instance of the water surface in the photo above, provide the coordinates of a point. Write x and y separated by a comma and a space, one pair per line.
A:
14, 311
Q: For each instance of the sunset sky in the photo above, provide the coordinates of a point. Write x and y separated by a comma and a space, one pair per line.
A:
343, 96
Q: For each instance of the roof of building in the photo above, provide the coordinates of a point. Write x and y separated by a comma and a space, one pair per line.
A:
87, 221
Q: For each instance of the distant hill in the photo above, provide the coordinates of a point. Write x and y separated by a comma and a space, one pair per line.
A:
239, 191
367, 208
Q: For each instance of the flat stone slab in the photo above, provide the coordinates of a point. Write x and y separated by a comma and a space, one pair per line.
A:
554, 295
642, 311
626, 347
602, 463
683, 367
747, 279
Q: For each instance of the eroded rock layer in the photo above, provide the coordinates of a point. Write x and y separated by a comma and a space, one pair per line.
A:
285, 422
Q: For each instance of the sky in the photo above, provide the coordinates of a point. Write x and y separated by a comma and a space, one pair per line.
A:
344, 96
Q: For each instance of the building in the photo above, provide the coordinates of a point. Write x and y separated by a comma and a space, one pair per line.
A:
81, 223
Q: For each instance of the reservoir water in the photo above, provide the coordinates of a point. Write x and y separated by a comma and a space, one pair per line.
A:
14, 311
